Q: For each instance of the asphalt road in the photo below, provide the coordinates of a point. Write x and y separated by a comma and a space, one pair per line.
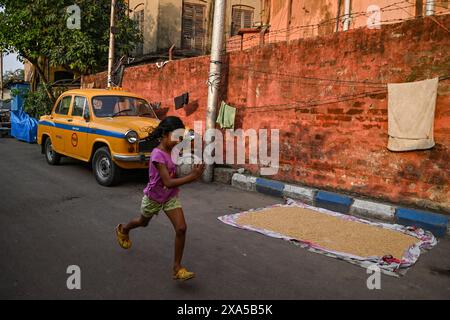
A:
56, 216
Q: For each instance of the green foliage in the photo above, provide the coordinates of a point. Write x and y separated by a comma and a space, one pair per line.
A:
37, 103
16, 92
38, 28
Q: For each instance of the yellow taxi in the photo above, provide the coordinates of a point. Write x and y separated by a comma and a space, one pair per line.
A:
108, 128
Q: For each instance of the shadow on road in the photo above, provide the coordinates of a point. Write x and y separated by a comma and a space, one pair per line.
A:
131, 176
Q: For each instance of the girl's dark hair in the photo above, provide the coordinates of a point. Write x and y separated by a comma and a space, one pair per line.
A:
167, 125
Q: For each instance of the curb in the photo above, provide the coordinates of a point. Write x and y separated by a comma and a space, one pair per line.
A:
373, 209
243, 182
436, 223
333, 201
270, 187
304, 194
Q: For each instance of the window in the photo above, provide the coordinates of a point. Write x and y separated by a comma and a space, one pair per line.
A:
63, 75
120, 106
78, 106
64, 106
193, 34
86, 111
242, 17
138, 17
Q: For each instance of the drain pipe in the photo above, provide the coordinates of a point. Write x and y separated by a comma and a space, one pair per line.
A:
430, 8
262, 35
171, 52
214, 78
338, 14
347, 15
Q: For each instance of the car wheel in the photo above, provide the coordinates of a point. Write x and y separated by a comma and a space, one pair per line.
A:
106, 172
51, 155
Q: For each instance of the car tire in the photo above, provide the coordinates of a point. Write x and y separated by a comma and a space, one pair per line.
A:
51, 155
106, 172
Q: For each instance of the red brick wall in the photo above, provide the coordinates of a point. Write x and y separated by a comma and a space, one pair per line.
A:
325, 143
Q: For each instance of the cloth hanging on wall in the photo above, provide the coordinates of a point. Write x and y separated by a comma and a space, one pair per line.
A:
181, 101
411, 108
226, 117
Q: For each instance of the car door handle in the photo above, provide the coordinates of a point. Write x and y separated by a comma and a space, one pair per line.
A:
69, 120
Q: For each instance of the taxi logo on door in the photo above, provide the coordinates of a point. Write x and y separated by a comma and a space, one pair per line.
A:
74, 139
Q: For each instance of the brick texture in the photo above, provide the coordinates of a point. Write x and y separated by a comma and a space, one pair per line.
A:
330, 138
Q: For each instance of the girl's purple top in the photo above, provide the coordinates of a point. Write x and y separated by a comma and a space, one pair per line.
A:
155, 189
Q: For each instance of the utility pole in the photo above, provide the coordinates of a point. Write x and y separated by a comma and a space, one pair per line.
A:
429, 8
111, 42
346, 15
214, 77
1, 74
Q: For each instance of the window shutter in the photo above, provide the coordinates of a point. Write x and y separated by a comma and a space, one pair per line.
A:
139, 18
236, 21
199, 31
241, 18
141, 21
248, 18
193, 26
188, 25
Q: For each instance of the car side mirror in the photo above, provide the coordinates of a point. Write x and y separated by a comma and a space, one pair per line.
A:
86, 117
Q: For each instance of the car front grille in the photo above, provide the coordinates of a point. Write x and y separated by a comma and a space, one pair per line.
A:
147, 145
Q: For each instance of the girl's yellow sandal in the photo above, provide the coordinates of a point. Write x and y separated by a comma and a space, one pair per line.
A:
123, 239
183, 274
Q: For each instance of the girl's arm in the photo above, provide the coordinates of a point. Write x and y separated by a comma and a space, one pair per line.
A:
170, 182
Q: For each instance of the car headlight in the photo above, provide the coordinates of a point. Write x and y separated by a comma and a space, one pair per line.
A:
131, 136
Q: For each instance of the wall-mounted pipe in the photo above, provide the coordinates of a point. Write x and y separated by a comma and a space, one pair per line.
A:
262, 35
171, 52
338, 15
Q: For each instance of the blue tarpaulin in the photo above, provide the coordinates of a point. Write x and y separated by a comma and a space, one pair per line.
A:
19, 96
23, 127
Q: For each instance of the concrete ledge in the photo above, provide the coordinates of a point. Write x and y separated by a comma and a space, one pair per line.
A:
244, 182
304, 194
333, 201
223, 175
433, 222
367, 208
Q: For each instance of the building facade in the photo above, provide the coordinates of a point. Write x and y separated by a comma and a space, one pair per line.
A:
187, 24
286, 20
53, 74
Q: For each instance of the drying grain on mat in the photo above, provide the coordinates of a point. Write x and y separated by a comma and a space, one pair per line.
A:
330, 232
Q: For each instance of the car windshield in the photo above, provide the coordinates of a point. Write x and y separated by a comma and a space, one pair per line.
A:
112, 106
